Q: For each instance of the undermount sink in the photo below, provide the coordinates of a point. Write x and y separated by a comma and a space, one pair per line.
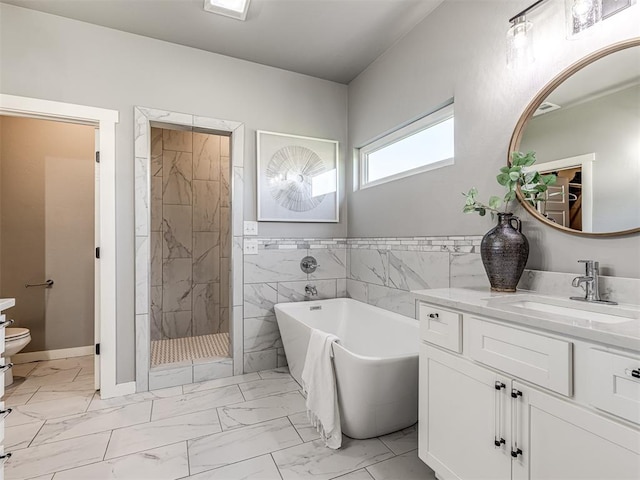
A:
594, 312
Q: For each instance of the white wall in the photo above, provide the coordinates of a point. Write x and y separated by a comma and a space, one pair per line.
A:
54, 58
459, 51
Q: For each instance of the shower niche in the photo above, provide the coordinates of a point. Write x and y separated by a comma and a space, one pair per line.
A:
190, 246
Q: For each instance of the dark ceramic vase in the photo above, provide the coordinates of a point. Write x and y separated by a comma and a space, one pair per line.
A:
504, 251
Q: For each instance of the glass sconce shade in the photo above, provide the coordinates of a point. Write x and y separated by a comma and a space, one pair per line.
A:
520, 43
582, 14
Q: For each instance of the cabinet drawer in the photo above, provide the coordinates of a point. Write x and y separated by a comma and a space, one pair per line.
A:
440, 327
613, 388
535, 358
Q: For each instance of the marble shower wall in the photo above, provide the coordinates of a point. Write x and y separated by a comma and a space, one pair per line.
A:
382, 271
190, 234
274, 276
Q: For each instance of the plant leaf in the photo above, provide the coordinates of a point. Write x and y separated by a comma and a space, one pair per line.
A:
514, 176
503, 179
495, 202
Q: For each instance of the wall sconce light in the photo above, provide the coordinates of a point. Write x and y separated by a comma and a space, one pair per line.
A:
582, 14
520, 39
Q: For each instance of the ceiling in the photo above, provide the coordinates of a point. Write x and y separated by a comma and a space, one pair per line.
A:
330, 39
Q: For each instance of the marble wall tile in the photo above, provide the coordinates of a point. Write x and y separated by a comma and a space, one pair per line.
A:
173, 118
237, 200
177, 140
394, 300
236, 336
259, 299
418, 270
274, 266
156, 152
176, 281
156, 258
170, 377
369, 266
467, 270
141, 171
212, 370
282, 358
225, 274
258, 361
177, 231
215, 124
156, 204
295, 291
206, 308
176, 178
260, 334
357, 290
142, 274
322, 463
341, 288
225, 233
164, 463
332, 263
206, 156
206, 206
225, 319
234, 446
177, 324
206, 257
237, 267
143, 344
225, 189
156, 313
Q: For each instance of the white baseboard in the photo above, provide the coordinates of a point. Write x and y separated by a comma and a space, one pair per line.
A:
118, 390
52, 354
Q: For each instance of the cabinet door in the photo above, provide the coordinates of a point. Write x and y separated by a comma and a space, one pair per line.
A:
561, 440
461, 416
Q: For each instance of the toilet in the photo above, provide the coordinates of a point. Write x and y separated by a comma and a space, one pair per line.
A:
15, 339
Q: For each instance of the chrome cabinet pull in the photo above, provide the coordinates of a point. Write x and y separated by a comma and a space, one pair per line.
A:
6, 323
498, 439
515, 450
635, 373
5, 413
6, 367
47, 284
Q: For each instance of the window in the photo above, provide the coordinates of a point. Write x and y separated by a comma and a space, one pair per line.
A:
425, 144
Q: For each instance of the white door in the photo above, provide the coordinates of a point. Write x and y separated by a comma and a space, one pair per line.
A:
462, 416
96, 303
561, 440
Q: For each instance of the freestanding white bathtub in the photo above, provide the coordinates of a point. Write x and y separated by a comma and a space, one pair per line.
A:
376, 360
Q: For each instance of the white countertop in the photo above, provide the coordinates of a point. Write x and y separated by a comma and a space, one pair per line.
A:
6, 303
484, 302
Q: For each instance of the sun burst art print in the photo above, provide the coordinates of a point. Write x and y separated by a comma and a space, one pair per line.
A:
297, 178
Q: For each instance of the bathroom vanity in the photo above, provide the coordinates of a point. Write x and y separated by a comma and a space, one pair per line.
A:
5, 303
526, 386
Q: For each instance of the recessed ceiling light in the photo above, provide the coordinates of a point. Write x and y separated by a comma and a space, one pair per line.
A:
229, 8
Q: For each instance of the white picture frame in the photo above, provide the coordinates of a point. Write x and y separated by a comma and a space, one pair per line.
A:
297, 178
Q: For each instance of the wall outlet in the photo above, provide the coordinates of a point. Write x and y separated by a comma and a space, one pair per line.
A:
250, 228
251, 246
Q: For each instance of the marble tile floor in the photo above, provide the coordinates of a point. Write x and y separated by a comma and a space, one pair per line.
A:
251, 426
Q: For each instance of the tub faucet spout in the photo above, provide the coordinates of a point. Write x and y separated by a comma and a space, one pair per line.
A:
311, 291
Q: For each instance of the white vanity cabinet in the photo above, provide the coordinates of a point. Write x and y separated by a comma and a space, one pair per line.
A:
4, 303
499, 403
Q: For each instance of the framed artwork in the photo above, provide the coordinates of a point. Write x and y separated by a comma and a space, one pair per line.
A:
297, 178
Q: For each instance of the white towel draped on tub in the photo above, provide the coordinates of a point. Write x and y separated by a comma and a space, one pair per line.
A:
319, 383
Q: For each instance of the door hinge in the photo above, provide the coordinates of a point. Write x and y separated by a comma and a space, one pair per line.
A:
97, 252
97, 157
97, 349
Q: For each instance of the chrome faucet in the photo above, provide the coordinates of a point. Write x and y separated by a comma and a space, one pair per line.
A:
590, 280
311, 291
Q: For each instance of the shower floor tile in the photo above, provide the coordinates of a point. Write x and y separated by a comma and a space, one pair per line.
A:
177, 350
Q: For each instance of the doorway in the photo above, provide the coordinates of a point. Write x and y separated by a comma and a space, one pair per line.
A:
105, 272
149, 375
47, 235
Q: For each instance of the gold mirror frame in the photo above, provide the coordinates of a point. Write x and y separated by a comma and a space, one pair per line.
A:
514, 144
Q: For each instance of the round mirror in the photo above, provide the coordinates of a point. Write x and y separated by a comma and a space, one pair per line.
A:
585, 127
